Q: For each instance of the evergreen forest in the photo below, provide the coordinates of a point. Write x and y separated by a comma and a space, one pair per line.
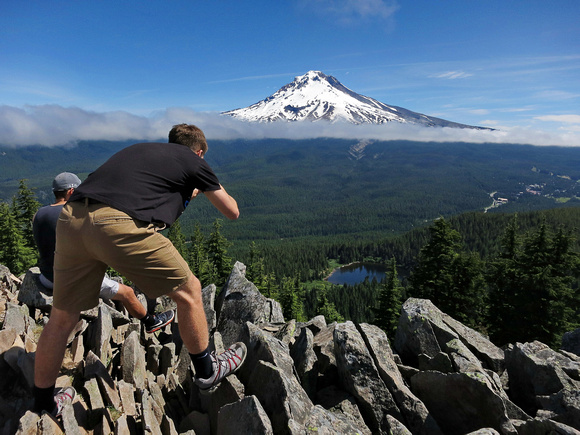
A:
487, 232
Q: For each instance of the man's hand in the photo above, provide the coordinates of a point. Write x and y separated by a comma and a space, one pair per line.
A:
195, 193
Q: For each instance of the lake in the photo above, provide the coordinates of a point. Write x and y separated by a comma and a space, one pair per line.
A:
356, 273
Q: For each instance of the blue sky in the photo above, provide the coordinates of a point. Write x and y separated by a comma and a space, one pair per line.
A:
114, 70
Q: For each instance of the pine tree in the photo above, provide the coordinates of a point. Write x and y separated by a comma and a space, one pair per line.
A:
14, 252
256, 271
25, 207
451, 279
327, 308
198, 258
390, 301
217, 249
175, 235
292, 299
532, 287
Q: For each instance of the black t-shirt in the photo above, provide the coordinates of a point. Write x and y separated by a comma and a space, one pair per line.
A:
152, 182
44, 232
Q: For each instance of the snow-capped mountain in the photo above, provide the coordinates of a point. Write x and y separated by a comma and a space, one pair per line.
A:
316, 96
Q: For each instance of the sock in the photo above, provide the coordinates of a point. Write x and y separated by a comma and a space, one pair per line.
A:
202, 363
148, 320
43, 399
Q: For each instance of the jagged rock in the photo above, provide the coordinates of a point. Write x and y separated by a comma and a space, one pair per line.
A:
571, 342
197, 422
263, 346
540, 377
127, 396
230, 390
100, 334
246, 416
484, 431
563, 406
133, 361
151, 417
32, 293
541, 426
28, 423
396, 427
324, 422
153, 352
323, 346
439, 362
316, 325
208, 297
7, 338
240, 302
94, 367
424, 329
360, 377
285, 333
280, 394
49, 426
339, 401
462, 402
416, 416
305, 361
118, 318
17, 318
70, 422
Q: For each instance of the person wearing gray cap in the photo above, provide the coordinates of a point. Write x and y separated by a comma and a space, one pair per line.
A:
44, 231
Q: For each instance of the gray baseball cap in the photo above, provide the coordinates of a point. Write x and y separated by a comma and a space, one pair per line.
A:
65, 181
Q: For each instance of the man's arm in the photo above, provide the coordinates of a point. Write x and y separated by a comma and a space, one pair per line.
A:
222, 201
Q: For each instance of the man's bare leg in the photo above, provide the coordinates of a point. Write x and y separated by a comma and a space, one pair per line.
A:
191, 315
52, 345
127, 297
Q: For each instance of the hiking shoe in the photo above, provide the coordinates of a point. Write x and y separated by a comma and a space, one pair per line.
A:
224, 365
161, 320
62, 398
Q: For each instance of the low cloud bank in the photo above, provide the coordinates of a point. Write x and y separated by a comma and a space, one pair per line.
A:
52, 125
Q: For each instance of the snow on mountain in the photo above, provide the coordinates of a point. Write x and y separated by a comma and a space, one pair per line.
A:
316, 96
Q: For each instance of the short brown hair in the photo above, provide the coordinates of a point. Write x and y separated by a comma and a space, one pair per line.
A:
188, 135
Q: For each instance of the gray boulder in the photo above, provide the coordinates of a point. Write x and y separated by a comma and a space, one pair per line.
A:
240, 302
571, 342
425, 330
462, 402
33, 293
360, 377
415, 414
543, 379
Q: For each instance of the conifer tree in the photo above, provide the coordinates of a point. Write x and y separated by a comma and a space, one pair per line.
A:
25, 206
175, 235
217, 249
255, 272
198, 258
292, 299
532, 291
390, 301
450, 278
14, 252
327, 308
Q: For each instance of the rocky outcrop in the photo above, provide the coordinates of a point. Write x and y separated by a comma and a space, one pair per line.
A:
436, 377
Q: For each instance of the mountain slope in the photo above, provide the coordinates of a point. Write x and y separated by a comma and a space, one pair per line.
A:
316, 96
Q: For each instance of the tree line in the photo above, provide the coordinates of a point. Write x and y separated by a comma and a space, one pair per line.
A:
514, 277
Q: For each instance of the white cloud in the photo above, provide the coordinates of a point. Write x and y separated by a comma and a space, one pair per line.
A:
56, 125
452, 75
569, 119
350, 11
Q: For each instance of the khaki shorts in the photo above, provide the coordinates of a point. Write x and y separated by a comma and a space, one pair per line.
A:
90, 237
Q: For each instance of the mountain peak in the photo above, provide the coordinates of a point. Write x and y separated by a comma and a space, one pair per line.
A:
315, 96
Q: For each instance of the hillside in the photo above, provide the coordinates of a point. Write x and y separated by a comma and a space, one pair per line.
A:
323, 187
